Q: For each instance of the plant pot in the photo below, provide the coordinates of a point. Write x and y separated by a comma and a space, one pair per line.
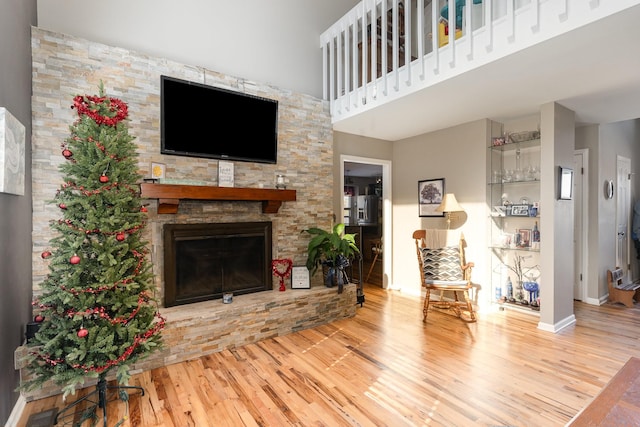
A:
335, 276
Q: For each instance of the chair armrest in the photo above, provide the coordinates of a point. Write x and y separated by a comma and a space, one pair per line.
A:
466, 271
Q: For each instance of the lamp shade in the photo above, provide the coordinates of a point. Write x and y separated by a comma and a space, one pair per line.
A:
449, 204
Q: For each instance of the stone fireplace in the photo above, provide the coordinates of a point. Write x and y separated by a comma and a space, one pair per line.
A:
202, 261
69, 65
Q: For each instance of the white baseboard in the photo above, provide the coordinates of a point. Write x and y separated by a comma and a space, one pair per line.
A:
16, 413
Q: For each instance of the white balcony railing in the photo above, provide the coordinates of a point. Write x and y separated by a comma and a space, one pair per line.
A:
417, 47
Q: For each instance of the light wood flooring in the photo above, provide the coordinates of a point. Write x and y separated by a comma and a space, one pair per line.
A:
384, 367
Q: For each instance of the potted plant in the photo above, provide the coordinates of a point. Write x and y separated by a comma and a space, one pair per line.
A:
333, 250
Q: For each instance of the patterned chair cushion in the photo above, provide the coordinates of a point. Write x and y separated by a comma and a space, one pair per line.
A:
442, 264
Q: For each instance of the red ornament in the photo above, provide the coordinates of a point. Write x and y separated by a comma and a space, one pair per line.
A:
39, 318
143, 209
120, 237
67, 153
45, 254
83, 333
62, 206
74, 259
104, 178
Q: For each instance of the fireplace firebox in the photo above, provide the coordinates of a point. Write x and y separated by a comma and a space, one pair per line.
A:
202, 261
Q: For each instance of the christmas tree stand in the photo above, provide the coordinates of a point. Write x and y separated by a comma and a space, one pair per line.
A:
87, 407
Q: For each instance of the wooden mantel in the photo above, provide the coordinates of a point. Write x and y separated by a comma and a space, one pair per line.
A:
169, 195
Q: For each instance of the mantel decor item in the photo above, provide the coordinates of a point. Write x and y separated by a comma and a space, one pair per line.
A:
430, 196
280, 182
158, 170
225, 174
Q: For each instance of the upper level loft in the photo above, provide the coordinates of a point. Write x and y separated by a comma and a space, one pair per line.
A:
421, 43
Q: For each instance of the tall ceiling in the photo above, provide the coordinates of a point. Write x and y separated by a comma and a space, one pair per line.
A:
593, 70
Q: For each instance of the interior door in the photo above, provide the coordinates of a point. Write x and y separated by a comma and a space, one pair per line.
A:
578, 225
623, 213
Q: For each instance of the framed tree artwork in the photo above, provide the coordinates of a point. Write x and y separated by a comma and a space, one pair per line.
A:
430, 194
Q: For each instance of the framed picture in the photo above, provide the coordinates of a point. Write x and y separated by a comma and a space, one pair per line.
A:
565, 185
520, 210
525, 237
225, 174
430, 194
157, 170
300, 278
12, 154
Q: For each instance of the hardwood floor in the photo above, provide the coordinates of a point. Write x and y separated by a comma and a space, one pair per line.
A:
384, 367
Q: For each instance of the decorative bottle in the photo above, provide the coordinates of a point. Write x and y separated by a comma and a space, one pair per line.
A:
509, 288
535, 234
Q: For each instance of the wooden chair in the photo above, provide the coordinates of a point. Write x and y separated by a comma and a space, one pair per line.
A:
377, 250
443, 268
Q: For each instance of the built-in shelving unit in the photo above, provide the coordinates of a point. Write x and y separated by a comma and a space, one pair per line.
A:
514, 235
170, 195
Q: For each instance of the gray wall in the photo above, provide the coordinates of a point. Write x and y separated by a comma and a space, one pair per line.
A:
458, 155
605, 143
16, 19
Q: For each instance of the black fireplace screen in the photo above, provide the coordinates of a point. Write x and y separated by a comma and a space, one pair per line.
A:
202, 261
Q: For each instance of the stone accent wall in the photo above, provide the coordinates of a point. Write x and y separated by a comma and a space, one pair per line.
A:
65, 66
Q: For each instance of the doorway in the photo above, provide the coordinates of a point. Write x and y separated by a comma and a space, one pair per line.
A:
366, 208
581, 211
623, 213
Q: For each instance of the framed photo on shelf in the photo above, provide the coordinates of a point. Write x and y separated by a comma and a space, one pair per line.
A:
519, 210
430, 194
525, 237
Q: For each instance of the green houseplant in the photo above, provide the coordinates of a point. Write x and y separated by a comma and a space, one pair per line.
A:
332, 249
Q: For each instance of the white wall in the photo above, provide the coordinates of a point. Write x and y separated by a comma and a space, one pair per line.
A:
281, 48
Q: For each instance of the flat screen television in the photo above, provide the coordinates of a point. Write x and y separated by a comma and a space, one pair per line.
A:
204, 121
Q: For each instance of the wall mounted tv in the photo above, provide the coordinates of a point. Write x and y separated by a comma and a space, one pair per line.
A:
204, 121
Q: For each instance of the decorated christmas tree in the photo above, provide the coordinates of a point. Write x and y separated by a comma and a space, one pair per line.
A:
97, 309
